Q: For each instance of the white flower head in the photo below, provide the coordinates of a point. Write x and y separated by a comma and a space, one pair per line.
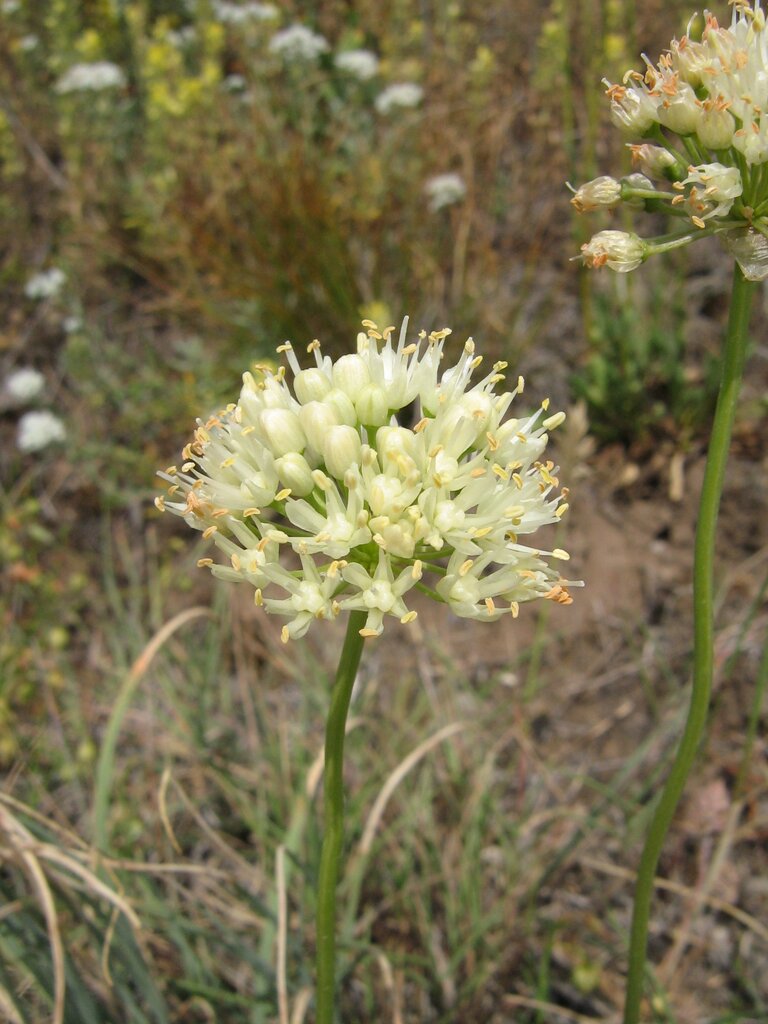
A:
399, 95
445, 190
38, 430
360, 64
45, 284
238, 14
324, 497
706, 100
24, 385
92, 77
298, 43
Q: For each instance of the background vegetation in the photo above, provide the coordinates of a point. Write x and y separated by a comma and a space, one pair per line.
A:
157, 819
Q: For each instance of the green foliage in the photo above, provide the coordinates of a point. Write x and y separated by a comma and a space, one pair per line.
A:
637, 380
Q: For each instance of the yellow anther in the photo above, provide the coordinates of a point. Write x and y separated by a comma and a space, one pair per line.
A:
490, 606
204, 563
561, 510
285, 635
235, 560
209, 532
562, 555
518, 480
409, 617
160, 503
465, 567
251, 512
171, 471
368, 632
282, 495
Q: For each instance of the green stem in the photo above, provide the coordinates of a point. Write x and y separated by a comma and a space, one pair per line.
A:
333, 816
703, 635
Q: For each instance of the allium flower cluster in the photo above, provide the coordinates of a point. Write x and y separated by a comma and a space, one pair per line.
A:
360, 64
399, 95
298, 43
700, 118
238, 14
445, 190
45, 284
373, 476
24, 385
38, 430
101, 74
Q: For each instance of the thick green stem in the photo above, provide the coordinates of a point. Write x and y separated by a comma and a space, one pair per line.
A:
703, 635
333, 817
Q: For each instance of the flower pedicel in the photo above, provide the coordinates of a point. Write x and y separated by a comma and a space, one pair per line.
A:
329, 473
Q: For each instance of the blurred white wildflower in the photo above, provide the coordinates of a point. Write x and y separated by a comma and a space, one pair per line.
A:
234, 83
24, 385
327, 473
399, 95
100, 74
704, 109
45, 284
361, 64
238, 14
181, 37
70, 324
298, 43
445, 190
29, 42
38, 430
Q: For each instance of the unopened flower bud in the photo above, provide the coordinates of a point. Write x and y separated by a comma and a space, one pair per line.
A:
653, 161
311, 385
351, 374
341, 450
316, 419
620, 250
603, 192
282, 431
343, 405
295, 473
715, 127
372, 406
680, 112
